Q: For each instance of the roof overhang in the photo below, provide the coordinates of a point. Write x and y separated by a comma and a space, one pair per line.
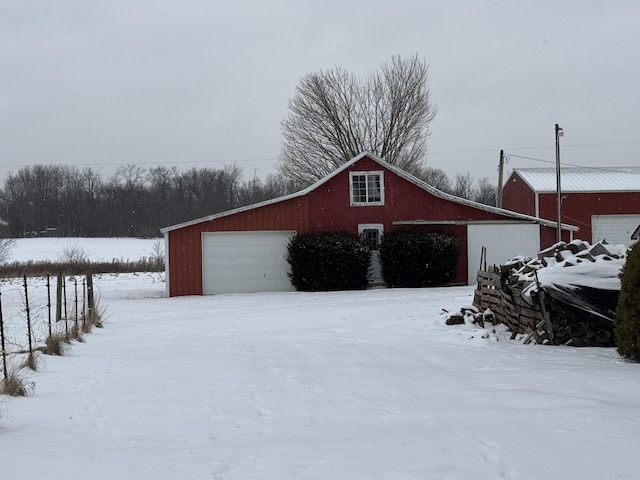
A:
508, 214
564, 226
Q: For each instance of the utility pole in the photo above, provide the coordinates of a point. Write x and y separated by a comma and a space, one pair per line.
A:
559, 133
500, 173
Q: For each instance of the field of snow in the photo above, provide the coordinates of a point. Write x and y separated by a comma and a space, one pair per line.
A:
95, 249
344, 385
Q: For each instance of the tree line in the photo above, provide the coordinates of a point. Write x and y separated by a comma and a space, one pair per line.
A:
65, 201
135, 202
333, 116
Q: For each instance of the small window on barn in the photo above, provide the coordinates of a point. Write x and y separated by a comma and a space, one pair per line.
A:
371, 234
367, 188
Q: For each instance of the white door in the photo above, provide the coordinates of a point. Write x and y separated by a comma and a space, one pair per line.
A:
245, 262
502, 242
615, 229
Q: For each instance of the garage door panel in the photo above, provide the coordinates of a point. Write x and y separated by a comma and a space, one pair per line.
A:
245, 262
615, 229
502, 242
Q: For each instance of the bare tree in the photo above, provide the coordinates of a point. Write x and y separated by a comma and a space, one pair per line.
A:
254, 190
131, 176
436, 178
92, 182
463, 186
485, 192
335, 116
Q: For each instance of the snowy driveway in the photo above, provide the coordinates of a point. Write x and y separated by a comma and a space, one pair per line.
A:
346, 385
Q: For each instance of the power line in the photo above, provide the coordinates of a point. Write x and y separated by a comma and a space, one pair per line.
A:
542, 147
605, 169
509, 155
171, 163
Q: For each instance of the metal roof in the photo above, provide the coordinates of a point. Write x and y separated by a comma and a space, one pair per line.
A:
580, 179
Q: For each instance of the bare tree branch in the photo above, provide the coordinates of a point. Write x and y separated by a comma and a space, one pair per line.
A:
436, 178
6, 244
333, 117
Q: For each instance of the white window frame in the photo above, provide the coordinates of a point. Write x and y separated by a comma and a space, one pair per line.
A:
372, 226
380, 175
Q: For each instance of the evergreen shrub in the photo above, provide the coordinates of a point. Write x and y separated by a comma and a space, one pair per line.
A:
627, 324
414, 258
328, 262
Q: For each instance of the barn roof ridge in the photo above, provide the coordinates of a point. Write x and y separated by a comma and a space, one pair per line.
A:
397, 170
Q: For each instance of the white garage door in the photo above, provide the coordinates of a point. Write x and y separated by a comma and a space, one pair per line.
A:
502, 241
244, 262
615, 229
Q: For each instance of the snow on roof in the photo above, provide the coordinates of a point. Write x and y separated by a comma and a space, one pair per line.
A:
578, 179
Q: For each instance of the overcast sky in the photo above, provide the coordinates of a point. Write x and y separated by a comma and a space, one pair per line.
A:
206, 82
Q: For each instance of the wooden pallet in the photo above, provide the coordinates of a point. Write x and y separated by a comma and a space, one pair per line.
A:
510, 309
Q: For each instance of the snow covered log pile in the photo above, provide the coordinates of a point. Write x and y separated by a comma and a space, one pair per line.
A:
566, 295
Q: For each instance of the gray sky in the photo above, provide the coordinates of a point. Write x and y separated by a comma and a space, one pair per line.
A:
206, 82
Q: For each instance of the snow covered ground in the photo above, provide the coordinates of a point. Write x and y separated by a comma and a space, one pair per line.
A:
95, 249
344, 385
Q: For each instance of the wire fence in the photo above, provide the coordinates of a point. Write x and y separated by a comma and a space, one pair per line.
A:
35, 309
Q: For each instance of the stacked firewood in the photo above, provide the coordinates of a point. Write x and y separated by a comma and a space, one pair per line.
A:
564, 296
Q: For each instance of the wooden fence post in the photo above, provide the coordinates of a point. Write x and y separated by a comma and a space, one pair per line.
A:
59, 297
2, 346
64, 297
84, 304
26, 302
90, 299
49, 301
75, 285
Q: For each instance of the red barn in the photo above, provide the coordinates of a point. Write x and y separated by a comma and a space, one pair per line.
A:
244, 250
604, 203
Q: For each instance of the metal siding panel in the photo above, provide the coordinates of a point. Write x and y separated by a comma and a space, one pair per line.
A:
502, 243
517, 196
578, 208
185, 244
184, 259
330, 208
547, 237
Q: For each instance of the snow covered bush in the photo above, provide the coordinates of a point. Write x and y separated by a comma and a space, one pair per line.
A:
414, 258
328, 261
627, 325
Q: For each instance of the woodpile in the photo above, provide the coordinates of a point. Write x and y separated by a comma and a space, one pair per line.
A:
578, 315
505, 304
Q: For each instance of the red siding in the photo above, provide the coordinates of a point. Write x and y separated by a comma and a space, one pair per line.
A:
517, 196
327, 208
330, 209
185, 244
577, 208
549, 236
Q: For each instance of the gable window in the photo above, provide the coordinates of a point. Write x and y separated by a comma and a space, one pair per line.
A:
367, 188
